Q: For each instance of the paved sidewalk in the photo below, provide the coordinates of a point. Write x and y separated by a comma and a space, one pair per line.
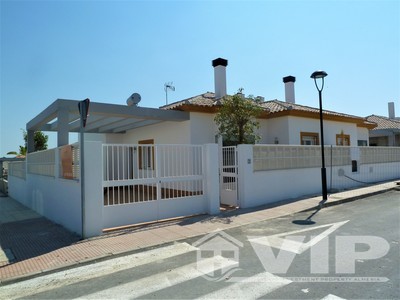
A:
31, 245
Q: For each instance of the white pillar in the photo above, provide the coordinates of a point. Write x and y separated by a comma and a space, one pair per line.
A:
245, 172
62, 132
93, 189
31, 141
211, 173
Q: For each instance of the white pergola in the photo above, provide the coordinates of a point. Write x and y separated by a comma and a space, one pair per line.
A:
62, 116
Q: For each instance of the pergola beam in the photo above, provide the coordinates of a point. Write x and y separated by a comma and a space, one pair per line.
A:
103, 118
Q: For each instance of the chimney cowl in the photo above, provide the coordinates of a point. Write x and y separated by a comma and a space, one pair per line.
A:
289, 79
219, 62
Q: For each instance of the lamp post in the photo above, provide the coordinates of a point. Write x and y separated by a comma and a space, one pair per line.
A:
321, 75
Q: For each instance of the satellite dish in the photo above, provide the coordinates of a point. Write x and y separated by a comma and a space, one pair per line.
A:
134, 99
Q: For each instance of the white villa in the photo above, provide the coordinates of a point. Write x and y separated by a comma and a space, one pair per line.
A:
135, 164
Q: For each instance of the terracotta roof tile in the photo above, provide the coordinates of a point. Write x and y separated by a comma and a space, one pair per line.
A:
271, 106
384, 122
205, 100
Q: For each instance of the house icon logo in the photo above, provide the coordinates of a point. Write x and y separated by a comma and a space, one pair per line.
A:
217, 255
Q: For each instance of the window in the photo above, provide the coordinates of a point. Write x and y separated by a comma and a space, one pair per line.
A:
342, 139
362, 143
146, 155
309, 138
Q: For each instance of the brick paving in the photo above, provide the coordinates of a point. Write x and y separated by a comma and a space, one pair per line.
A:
38, 245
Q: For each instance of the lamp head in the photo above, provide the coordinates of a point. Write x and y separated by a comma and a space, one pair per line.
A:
318, 74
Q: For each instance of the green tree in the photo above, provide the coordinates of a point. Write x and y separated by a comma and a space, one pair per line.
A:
40, 143
237, 119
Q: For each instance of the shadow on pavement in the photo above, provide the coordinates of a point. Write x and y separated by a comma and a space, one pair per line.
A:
33, 237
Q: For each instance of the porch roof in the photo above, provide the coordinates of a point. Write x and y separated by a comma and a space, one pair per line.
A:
63, 117
102, 117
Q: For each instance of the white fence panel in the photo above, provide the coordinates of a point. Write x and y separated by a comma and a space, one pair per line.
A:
42, 163
17, 169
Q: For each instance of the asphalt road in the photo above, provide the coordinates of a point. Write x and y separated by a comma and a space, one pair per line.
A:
351, 252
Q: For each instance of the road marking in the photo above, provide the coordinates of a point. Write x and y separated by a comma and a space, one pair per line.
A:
332, 297
75, 275
248, 287
154, 283
276, 240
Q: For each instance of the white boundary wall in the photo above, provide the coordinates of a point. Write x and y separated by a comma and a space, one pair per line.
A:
269, 186
59, 199
55, 198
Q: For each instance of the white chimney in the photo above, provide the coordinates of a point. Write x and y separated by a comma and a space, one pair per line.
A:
392, 114
289, 88
219, 65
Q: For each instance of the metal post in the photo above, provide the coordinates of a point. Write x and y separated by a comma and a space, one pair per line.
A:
323, 169
82, 177
321, 75
83, 107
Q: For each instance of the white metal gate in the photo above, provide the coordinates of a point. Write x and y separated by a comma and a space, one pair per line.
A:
145, 183
229, 176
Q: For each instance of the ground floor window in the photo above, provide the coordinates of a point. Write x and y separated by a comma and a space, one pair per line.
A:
362, 143
309, 138
342, 139
146, 155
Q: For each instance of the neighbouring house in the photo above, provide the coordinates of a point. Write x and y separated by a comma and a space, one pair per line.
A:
387, 131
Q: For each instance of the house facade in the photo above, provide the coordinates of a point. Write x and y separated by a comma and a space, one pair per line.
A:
283, 122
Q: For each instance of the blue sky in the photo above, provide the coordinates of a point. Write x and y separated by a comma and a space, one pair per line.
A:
106, 50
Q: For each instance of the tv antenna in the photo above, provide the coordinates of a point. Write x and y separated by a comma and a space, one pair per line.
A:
168, 86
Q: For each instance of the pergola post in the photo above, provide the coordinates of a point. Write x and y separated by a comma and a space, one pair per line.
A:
63, 130
30, 141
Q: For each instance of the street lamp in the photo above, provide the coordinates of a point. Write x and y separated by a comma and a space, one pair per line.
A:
321, 75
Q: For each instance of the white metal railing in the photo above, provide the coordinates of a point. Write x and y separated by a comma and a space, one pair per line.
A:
228, 167
17, 169
42, 162
142, 173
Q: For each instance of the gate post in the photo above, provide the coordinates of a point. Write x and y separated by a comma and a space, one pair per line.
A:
245, 172
93, 189
211, 177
